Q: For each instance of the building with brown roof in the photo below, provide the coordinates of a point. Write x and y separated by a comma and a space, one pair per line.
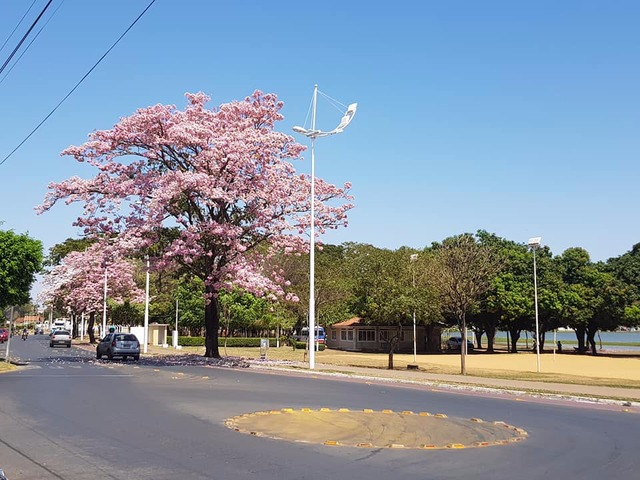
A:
355, 335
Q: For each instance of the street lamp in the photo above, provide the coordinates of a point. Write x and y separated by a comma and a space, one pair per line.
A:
534, 244
413, 258
145, 335
104, 303
313, 134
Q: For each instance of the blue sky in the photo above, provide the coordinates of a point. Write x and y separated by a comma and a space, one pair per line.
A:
519, 118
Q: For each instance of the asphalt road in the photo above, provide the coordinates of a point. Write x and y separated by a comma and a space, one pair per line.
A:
68, 416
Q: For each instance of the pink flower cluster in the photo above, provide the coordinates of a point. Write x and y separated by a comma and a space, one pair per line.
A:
220, 180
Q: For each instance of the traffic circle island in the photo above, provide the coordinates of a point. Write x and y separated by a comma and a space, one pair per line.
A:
375, 428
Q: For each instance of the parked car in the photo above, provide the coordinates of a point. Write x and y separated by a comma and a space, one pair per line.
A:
4, 335
60, 337
119, 345
455, 343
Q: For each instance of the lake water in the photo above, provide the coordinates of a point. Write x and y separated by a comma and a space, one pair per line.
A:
606, 338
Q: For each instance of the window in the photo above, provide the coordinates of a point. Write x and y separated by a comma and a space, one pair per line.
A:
125, 337
387, 335
343, 334
350, 335
366, 335
333, 334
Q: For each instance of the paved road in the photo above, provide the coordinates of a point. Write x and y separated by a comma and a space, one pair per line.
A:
68, 416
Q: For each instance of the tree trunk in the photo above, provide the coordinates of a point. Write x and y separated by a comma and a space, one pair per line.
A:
515, 336
211, 324
591, 340
92, 319
491, 335
479, 332
580, 332
541, 338
433, 342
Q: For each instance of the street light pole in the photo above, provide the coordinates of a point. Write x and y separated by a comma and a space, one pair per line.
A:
534, 243
104, 304
312, 251
413, 258
7, 354
145, 335
313, 134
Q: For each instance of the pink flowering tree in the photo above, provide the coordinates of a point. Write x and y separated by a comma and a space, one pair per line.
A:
209, 192
78, 282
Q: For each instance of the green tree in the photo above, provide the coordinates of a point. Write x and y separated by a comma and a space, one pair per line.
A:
465, 270
20, 260
60, 250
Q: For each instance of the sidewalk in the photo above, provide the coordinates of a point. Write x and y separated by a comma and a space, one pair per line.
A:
590, 393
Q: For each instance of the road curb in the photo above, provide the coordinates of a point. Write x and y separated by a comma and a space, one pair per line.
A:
459, 386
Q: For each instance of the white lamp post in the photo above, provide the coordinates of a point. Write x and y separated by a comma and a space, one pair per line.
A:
145, 334
104, 303
413, 258
534, 244
313, 134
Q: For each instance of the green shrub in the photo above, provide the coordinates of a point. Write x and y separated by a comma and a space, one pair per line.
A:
231, 342
303, 345
191, 341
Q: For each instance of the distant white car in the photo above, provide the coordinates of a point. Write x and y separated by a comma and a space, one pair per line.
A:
455, 343
60, 337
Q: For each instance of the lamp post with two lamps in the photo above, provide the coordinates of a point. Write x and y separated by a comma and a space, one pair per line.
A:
313, 134
534, 244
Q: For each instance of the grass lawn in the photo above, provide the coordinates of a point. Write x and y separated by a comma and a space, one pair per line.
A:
570, 368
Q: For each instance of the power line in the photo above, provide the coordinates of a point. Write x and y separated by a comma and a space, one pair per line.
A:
24, 37
31, 42
77, 84
18, 24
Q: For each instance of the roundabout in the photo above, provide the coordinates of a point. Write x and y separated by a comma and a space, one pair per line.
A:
375, 429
